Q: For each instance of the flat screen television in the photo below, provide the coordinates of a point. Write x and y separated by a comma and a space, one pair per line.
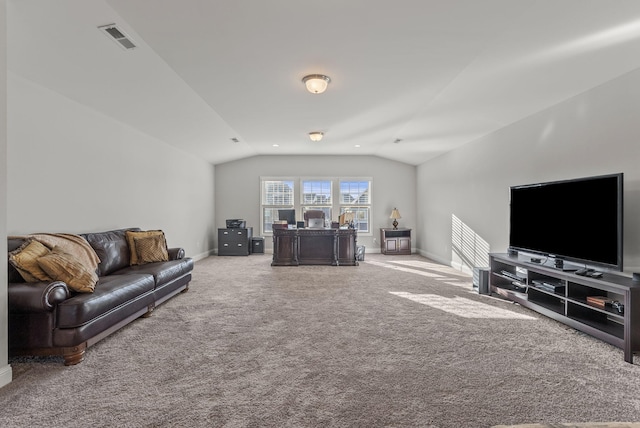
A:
577, 220
287, 214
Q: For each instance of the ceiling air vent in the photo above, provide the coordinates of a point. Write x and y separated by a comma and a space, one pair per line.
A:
118, 36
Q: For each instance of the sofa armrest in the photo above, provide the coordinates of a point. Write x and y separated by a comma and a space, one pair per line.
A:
176, 253
37, 297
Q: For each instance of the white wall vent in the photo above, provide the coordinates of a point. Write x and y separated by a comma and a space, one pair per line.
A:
118, 36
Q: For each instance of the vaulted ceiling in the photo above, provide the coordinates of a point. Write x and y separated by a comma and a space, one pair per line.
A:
411, 79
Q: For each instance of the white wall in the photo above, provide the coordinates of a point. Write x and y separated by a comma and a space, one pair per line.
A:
597, 132
74, 170
5, 368
394, 185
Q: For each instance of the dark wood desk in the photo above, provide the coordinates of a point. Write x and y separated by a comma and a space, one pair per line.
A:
333, 247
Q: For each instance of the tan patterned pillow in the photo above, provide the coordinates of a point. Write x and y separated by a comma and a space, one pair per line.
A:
151, 249
61, 266
132, 235
24, 259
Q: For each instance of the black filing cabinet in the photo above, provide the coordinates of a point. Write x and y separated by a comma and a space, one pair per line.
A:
234, 242
257, 244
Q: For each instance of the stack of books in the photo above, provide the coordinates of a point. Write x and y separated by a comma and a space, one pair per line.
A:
599, 301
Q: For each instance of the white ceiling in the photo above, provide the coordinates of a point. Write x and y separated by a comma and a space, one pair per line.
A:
435, 74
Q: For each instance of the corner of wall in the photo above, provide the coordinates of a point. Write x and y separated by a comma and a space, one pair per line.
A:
5, 368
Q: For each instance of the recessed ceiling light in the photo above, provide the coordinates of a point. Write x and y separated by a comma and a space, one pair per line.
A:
357, 145
276, 145
316, 83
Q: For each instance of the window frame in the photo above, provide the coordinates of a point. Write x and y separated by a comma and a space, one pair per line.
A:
335, 208
264, 205
359, 206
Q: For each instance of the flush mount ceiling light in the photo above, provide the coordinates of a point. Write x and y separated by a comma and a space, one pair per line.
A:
316, 83
316, 135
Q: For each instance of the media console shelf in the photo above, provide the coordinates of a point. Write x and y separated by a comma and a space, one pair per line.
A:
563, 297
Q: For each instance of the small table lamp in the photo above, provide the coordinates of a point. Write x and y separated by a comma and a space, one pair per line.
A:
395, 215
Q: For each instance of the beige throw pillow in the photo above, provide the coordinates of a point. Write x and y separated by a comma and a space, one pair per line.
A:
24, 259
131, 240
151, 249
61, 266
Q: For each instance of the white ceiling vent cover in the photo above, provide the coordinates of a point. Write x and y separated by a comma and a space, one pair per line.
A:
118, 36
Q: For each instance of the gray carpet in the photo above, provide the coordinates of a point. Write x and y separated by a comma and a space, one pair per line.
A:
395, 342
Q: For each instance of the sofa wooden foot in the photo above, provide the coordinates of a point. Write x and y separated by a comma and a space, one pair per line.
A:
149, 312
185, 289
74, 355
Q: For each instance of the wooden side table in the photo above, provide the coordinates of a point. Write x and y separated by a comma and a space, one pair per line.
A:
395, 241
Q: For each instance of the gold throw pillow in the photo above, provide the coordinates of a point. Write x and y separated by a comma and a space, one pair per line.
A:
24, 259
132, 236
151, 249
61, 266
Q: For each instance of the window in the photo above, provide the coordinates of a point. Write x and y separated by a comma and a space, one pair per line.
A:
276, 194
355, 198
316, 195
334, 196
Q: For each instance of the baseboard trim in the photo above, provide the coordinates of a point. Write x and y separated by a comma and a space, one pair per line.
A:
202, 255
457, 266
434, 257
6, 375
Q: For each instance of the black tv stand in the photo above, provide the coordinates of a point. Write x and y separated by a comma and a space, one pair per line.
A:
568, 298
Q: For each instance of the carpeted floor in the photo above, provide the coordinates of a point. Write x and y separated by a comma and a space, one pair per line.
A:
398, 341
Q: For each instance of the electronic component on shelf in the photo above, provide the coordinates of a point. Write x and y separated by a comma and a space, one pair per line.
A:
519, 286
618, 306
548, 286
513, 276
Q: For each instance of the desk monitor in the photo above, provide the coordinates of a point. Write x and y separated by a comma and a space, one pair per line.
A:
288, 214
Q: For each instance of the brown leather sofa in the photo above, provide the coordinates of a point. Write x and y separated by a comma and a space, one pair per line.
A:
48, 318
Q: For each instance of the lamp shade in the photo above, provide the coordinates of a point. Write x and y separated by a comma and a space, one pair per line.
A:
395, 215
316, 83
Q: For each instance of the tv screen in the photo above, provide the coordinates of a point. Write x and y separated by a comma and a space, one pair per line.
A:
577, 220
287, 214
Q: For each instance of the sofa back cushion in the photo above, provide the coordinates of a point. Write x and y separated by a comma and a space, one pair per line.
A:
112, 249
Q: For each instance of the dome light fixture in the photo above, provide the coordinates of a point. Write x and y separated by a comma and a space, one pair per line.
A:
316, 83
316, 135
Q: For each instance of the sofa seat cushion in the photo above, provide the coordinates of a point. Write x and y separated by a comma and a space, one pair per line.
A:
163, 272
111, 292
